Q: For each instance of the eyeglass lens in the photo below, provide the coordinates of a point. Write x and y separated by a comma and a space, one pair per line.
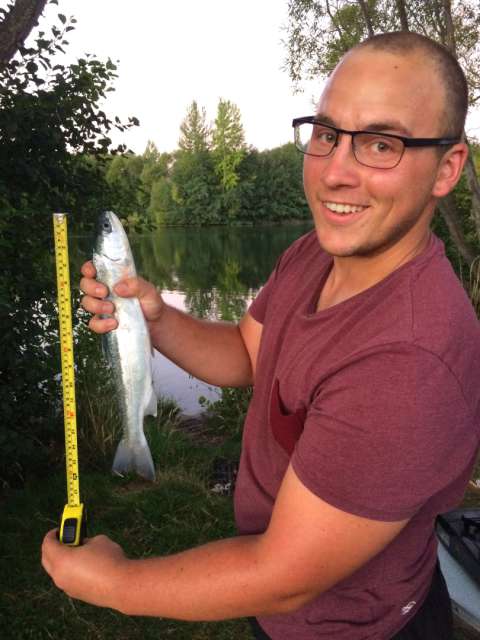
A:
372, 149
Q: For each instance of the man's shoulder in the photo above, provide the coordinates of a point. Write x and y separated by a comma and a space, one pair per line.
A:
303, 250
439, 300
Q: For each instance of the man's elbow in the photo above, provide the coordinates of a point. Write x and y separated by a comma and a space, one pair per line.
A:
290, 601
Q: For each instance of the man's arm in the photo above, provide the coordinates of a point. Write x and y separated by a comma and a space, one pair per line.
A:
309, 546
220, 353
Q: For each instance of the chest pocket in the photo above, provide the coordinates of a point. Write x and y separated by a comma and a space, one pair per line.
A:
286, 427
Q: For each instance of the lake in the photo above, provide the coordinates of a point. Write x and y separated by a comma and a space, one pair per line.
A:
211, 272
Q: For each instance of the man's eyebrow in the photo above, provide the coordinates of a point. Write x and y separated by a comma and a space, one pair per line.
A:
321, 117
384, 126
388, 126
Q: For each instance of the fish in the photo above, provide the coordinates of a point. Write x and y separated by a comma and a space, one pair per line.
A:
127, 348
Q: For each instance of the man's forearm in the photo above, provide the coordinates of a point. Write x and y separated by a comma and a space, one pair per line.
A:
219, 580
211, 351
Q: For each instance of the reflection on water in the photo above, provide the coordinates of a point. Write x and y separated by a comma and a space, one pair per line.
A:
212, 272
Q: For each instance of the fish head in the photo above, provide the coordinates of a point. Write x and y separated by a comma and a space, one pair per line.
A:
111, 240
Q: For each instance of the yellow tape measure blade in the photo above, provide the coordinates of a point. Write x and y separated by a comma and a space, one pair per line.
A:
72, 528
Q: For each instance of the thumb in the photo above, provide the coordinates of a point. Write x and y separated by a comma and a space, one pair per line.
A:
127, 288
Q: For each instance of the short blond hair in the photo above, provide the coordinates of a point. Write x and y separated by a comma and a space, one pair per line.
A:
449, 72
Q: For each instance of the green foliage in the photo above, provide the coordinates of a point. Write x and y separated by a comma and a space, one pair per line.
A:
123, 175
193, 189
268, 188
463, 204
227, 415
271, 183
53, 141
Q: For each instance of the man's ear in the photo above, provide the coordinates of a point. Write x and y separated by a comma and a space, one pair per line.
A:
450, 169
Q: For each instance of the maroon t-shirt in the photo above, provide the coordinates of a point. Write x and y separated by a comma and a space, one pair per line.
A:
376, 403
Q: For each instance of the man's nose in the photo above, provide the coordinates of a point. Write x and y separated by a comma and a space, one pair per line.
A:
341, 167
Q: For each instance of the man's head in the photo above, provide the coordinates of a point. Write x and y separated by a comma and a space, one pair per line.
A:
445, 66
391, 84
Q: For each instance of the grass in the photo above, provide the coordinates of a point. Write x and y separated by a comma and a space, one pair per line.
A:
176, 512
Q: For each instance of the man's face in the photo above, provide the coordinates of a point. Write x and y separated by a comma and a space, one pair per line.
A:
392, 207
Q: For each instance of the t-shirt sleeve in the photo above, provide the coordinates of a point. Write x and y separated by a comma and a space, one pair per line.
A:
385, 433
258, 308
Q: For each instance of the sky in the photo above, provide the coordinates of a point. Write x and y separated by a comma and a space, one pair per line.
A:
172, 52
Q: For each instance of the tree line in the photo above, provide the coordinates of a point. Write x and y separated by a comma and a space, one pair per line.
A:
213, 177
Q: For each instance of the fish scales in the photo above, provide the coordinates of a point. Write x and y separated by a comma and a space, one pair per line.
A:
127, 348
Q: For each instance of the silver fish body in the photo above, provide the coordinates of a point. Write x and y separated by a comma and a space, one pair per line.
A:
128, 349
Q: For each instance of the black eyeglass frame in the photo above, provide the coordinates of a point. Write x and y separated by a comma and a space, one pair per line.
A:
407, 142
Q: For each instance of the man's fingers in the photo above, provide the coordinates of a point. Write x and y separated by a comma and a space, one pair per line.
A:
102, 325
96, 306
88, 270
49, 540
93, 288
131, 287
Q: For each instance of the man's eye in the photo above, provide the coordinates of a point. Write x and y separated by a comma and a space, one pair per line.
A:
324, 135
382, 146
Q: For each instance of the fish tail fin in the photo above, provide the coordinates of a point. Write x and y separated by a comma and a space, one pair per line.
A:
134, 457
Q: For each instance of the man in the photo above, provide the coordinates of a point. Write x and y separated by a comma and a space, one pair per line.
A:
364, 353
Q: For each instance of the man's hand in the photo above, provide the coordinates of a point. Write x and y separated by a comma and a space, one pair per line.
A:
95, 292
90, 572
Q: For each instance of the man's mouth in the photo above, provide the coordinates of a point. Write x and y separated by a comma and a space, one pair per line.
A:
342, 208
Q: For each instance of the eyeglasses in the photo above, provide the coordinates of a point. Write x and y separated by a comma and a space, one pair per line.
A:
372, 149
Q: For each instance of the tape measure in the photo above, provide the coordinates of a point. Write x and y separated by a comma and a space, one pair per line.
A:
73, 524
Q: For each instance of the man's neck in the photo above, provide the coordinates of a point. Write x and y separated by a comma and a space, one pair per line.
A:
350, 276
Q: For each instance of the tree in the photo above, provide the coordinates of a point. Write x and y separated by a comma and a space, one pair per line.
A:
228, 150
194, 130
320, 32
124, 177
194, 189
156, 168
228, 143
277, 191
17, 22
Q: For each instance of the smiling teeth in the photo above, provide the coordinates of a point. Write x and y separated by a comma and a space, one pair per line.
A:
343, 208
